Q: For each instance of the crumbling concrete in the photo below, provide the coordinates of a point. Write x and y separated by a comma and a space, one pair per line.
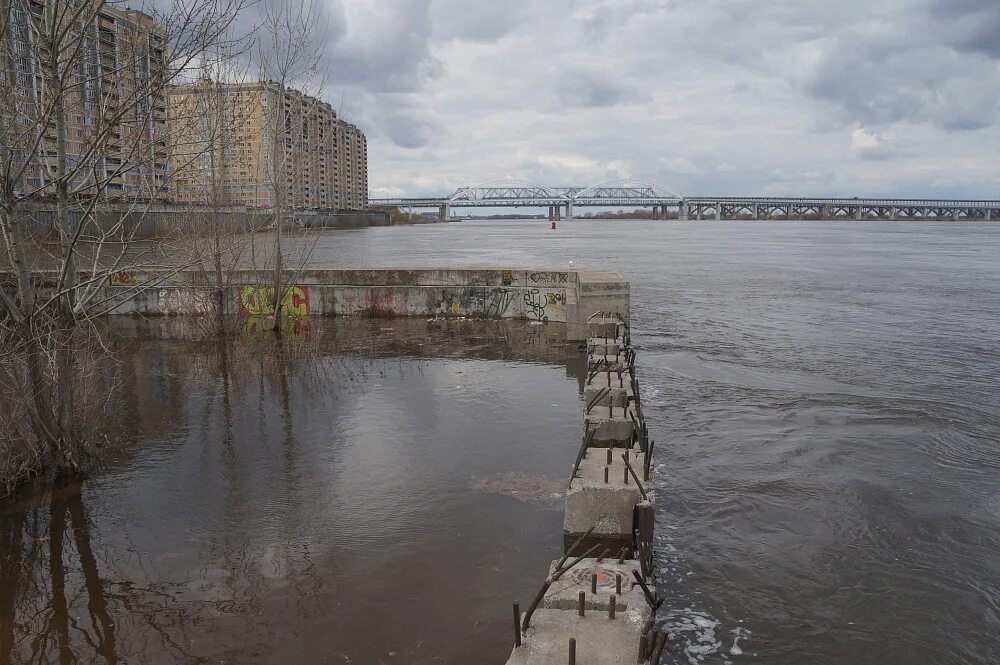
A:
608, 508
605, 387
613, 427
564, 594
599, 640
609, 517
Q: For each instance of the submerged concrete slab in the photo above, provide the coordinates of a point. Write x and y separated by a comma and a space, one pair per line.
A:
599, 640
564, 594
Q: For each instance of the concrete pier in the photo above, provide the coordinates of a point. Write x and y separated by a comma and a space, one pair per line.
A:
596, 603
539, 294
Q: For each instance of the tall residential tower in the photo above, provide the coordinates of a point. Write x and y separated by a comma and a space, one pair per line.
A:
226, 150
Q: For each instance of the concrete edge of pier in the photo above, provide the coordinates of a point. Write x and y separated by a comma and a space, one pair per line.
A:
533, 294
597, 604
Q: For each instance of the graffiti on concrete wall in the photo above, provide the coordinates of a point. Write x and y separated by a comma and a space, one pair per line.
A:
259, 301
545, 305
549, 277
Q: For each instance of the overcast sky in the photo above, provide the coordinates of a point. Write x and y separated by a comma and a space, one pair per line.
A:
796, 97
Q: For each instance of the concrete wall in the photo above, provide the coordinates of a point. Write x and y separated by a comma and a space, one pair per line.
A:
569, 297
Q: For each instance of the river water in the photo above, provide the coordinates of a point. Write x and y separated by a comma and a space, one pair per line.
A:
825, 397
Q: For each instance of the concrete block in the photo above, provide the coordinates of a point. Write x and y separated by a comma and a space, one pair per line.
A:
598, 362
608, 507
608, 348
613, 425
619, 384
564, 594
603, 325
599, 640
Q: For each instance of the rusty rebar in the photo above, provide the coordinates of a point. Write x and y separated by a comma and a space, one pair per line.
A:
574, 546
661, 642
641, 658
600, 395
581, 607
517, 624
572, 651
534, 604
593, 583
587, 439
606, 552
618, 583
650, 598
611, 607
606, 475
629, 469
559, 573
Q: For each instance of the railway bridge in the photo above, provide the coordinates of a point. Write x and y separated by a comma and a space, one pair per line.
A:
666, 204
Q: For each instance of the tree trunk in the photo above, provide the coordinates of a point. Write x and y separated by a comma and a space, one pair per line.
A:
64, 351
277, 157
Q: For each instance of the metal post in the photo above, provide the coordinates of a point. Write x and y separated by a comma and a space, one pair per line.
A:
517, 624
583, 602
572, 651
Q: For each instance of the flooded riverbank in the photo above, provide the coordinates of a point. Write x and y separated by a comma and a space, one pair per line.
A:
357, 504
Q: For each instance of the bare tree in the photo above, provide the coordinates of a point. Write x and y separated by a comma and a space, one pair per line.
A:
290, 56
82, 114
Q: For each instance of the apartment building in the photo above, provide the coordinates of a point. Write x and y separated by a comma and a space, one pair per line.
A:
226, 136
115, 108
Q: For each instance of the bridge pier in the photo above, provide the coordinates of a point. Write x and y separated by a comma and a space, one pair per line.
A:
989, 214
656, 212
718, 211
444, 212
569, 210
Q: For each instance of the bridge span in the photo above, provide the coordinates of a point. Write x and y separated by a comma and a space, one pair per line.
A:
667, 204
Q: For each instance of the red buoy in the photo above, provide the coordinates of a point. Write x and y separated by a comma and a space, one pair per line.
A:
553, 225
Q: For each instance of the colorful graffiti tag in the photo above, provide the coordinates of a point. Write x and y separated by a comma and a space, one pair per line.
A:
259, 301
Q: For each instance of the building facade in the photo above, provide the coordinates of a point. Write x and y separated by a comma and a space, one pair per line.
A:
114, 106
255, 145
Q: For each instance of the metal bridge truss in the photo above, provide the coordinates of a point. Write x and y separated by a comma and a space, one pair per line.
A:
665, 203
794, 208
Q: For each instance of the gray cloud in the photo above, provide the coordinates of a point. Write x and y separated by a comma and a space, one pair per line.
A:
974, 24
586, 88
704, 96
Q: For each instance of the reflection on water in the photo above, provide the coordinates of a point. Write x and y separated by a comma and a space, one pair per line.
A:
307, 502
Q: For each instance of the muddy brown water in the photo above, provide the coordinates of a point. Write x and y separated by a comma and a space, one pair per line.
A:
358, 506
824, 397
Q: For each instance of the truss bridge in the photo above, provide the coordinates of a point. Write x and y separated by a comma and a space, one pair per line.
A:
667, 204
